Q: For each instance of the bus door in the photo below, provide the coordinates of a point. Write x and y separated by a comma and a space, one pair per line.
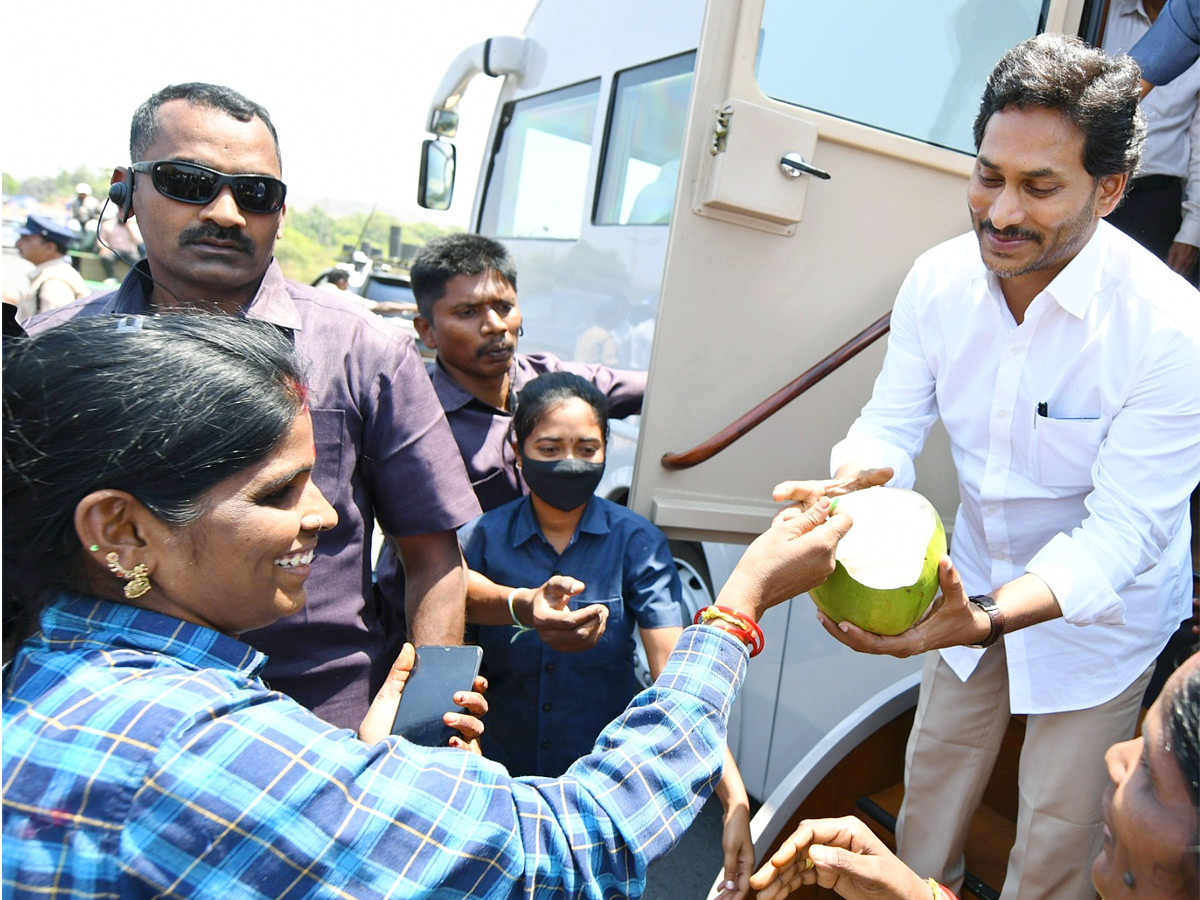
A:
827, 146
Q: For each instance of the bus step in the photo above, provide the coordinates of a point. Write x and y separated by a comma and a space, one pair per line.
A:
886, 818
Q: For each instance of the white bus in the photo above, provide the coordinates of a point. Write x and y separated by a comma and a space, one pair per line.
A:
730, 195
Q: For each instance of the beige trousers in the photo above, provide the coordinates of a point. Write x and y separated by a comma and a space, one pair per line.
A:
951, 751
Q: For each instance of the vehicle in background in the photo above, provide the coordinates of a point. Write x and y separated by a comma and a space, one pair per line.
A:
390, 292
10, 230
731, 195
91, 267
381, 287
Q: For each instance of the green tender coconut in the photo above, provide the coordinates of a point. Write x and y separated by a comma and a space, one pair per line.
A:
886, 573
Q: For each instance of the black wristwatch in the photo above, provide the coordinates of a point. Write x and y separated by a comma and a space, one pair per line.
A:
995, 616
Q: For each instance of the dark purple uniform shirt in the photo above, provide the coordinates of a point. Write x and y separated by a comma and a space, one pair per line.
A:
384, 451
481, 430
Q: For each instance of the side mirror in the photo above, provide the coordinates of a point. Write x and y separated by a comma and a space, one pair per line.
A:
436, 186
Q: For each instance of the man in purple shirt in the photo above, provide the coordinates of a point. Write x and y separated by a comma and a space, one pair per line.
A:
465, 286
384, 449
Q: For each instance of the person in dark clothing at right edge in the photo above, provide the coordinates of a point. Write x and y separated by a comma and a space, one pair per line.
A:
1168, 52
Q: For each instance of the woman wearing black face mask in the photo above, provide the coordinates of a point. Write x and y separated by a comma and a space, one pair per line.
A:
559, 658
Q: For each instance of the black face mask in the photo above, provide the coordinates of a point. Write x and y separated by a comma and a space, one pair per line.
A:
565, 484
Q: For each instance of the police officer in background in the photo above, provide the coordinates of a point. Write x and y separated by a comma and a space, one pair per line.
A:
53, 282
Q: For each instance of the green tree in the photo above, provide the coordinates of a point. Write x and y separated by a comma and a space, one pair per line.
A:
301, 257
314, 223
48, 188
312, 239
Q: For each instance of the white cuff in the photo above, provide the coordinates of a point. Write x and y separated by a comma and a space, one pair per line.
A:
1079, 584
1189, 229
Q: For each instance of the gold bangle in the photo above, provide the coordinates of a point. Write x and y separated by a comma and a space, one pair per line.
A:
711, 612
936, 888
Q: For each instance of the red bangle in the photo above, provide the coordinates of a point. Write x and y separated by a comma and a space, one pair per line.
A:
739, 625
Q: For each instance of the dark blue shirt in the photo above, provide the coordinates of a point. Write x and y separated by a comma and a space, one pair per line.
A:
547, 708
482, 433
1172, 44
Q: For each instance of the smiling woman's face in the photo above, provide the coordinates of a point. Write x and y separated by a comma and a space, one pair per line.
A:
1150, 822
243, 563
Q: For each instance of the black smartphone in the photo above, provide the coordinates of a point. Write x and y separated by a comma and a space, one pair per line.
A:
437, 675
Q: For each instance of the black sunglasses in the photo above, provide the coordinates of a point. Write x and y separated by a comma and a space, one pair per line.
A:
192, 183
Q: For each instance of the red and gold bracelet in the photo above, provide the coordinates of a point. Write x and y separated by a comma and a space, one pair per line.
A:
738, 624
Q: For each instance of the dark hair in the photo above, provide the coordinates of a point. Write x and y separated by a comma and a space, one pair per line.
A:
456, 254
1183, 730
335, 276
212, 96
1097, 92
549, 390
163, 407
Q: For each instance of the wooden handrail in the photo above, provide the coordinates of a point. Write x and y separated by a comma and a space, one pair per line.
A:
781, 398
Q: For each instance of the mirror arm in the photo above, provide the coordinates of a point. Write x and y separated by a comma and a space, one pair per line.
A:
500, 55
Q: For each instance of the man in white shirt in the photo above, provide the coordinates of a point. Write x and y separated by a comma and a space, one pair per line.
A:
1162, 206
1063, 359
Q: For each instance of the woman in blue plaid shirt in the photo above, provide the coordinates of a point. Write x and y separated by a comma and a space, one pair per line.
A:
157, 504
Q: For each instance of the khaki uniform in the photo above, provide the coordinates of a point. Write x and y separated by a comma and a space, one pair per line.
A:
53, 284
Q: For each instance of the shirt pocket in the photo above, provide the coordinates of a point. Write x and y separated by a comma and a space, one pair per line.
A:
1066, 449
614, 643
329, 438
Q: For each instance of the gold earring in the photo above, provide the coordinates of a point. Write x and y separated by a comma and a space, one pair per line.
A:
137, 578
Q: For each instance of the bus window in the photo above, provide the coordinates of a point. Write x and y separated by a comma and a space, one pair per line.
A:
913, 69
645, 137
537, 187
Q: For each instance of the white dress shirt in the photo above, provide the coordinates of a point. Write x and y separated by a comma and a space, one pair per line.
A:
1172, 116
1091, 497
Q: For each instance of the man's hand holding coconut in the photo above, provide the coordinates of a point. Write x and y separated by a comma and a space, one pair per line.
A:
894, 590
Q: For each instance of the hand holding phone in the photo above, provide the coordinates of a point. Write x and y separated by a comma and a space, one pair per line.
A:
438, 673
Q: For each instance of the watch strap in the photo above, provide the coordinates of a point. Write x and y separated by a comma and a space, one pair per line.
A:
995, 617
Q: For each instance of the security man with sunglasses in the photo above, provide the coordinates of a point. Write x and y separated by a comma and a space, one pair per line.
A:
205, 185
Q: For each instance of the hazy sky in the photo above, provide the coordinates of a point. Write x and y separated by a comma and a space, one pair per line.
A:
348, 84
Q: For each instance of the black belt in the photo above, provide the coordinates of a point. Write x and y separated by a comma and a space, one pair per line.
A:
1155, 182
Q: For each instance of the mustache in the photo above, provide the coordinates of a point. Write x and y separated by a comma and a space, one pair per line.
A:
207, 231
500, 344
1011, 232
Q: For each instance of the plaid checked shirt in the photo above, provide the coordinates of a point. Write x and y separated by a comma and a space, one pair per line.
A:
143, 756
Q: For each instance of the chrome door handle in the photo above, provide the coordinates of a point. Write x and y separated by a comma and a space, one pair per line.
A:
794, 166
